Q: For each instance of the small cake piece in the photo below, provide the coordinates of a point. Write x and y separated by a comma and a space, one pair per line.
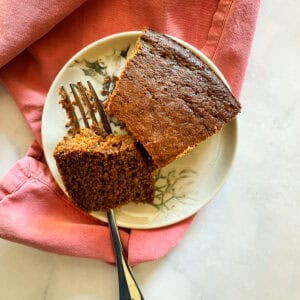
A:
169, 99
102, 173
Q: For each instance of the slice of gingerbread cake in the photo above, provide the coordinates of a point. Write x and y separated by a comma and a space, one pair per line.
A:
100, 173
169, 99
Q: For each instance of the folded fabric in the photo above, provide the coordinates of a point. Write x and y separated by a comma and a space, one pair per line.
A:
33, 210
24, 23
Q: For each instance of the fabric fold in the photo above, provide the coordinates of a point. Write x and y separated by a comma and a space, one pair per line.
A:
24, 22
230, 38
35, 212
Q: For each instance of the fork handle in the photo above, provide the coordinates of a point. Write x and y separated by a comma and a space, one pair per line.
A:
128, 288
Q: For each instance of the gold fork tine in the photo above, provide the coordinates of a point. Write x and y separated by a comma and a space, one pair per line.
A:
87, 102
69, 109
78, 102
100, 108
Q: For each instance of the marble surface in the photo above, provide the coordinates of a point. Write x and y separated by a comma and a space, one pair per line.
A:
245, 244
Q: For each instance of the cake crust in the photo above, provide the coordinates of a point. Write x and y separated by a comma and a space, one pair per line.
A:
169, 99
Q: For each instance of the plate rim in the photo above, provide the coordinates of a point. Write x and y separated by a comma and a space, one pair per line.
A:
195, 51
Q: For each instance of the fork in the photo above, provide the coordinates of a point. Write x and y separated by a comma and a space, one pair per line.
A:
128, 287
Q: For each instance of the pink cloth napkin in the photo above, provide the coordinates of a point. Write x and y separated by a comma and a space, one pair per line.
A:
37, 38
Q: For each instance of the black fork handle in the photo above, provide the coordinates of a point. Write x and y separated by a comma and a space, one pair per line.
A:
128, 288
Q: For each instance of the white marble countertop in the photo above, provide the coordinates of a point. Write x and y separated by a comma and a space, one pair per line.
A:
245, 244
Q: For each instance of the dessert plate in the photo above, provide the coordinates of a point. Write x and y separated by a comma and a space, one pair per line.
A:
181, 188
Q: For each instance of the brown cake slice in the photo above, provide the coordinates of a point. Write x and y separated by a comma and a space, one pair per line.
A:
169, 99
102, 173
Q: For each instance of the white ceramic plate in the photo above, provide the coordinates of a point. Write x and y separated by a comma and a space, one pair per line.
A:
184, 186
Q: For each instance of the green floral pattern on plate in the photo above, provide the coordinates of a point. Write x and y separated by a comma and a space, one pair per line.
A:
171, 186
